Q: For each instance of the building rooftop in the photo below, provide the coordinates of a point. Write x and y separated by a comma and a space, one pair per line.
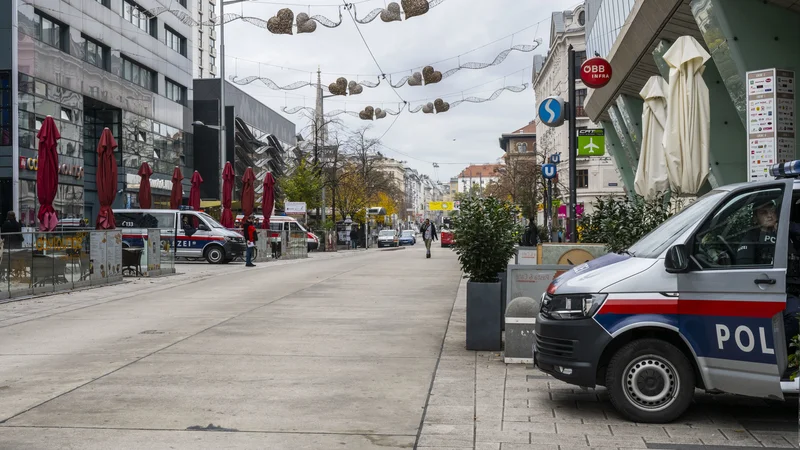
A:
480, 170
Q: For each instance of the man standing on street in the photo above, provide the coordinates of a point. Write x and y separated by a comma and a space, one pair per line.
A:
251, 236
354, 236
428, 231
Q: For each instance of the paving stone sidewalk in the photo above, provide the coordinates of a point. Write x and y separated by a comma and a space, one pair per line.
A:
478, 402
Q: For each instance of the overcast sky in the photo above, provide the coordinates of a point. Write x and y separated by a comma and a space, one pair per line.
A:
466, 134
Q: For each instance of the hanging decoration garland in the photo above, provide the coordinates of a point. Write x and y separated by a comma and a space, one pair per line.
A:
285, 22
437, 106
340, 87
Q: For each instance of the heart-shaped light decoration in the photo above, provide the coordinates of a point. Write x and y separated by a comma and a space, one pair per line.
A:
355, 88
415, 80
391, 13
428, 109
380, 114
281, 23
441, 105
430, 75
367, 113
305, 24
338, 88
414, 8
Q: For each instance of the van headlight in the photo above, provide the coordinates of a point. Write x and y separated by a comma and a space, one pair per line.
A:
571, 306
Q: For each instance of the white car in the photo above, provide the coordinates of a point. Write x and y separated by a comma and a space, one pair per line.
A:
388, 238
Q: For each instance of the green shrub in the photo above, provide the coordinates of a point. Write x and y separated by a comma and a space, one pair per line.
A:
620, 222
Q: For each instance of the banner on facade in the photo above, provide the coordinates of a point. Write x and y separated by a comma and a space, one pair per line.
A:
771, 127
443, 206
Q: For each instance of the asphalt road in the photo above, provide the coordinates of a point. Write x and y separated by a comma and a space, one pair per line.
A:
337, 351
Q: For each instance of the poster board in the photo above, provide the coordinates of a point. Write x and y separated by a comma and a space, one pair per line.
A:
526, 256
151, 260
771, 121
569, 254
531, 281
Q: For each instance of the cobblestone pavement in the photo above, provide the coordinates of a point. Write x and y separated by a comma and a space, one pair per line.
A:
478, 402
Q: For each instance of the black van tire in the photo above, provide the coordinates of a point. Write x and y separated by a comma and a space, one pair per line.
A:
657, 362
215, 254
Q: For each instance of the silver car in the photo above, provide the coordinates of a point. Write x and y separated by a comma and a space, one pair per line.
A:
388, 238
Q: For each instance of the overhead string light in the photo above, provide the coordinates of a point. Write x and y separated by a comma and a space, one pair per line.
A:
286, 22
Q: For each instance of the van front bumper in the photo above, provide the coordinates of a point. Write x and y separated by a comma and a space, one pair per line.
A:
570, 350
234, 249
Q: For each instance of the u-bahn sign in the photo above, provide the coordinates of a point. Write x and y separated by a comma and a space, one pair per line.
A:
595, 72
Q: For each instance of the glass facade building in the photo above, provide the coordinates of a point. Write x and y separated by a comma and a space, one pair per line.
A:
603, 24
89, 67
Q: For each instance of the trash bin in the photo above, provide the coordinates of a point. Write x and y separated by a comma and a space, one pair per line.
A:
520, 322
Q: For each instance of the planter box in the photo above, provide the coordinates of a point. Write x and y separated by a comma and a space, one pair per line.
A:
503, 277
483, 316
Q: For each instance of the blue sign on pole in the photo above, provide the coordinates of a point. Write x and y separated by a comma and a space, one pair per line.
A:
551, 111
548, 171
555, 158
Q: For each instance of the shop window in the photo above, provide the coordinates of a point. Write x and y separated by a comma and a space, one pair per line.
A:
582, 179
6, 129
51, 32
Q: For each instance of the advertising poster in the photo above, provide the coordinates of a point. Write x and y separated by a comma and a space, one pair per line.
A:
98, 256
153, 251
771, 126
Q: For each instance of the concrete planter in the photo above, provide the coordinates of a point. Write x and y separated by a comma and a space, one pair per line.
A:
483, 316
503, 277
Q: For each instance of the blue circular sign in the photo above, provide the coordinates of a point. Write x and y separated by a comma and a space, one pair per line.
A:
548, 171
551, 111
555, 158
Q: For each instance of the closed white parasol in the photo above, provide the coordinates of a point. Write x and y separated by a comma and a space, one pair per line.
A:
686, 141
651, 175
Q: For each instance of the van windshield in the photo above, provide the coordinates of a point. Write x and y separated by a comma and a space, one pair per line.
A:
658, 240
210, 221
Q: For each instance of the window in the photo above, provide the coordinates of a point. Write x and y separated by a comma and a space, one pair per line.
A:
139, 17
580, 99
96, 53
175, 92
582, 18
182, 2
213, 60
5, 108
742, 232
138, 74
51, 32
175, 41
580, 57
105, 3
582, 179
522, 147
66, 114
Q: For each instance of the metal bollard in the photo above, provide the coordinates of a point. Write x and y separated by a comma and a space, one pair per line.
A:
520, 321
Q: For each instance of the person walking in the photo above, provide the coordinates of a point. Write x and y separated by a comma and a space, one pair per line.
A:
11, 241
428, 231
251, 236
354, 236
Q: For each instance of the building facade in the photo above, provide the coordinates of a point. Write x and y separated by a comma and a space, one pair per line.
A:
479, 176
596, 176
205, 40
93, 65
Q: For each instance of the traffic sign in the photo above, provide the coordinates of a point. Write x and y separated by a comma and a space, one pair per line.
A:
551, 111
548, 171
591, 142
595, 72
555, 158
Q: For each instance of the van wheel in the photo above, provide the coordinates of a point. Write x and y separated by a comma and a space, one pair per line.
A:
651, 381
215, 254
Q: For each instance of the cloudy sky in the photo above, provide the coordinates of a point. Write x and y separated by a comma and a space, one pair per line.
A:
464, 30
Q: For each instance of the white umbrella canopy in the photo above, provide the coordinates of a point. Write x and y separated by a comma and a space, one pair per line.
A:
686, 141
651, 175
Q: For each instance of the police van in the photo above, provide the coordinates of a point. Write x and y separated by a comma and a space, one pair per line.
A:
708, 300
210, 239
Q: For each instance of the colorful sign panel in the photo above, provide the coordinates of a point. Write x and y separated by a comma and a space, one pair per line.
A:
562, 211
591, 142
771, 126
595, 72
443, 206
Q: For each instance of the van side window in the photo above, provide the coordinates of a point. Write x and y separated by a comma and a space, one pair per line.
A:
741, 233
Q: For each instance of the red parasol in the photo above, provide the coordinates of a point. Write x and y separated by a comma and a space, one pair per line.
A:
145, 196
176, 196
228, 177
268, 201
47, 175
106, 180
194, 193
248, 191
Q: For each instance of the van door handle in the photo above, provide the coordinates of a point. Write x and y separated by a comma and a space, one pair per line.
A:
764, 281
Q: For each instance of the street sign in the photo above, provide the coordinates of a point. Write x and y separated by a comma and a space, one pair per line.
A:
595, 72
555, 158
591, 142
551, 111
295, 207
548, 171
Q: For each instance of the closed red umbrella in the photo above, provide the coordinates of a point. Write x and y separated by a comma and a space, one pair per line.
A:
194, 193
47, 175
176, 196
228, 175
248, 191
145, 196
268, 201
106, 180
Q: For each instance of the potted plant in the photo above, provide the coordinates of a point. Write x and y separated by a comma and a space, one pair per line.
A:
485, 232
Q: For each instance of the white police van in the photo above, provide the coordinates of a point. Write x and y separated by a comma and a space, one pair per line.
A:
707, 300
211, 240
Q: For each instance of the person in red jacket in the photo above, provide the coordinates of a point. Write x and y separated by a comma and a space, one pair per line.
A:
251, 236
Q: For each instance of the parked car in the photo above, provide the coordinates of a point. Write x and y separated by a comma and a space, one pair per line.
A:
285, 223
388, 238
446, 237
408, 237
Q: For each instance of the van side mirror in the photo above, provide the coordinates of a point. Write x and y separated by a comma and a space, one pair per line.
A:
203, 227
677, 260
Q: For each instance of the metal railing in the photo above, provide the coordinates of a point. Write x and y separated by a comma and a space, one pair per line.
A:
42, 262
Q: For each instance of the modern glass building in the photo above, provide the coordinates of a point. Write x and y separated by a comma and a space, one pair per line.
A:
604, 21
92, 65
